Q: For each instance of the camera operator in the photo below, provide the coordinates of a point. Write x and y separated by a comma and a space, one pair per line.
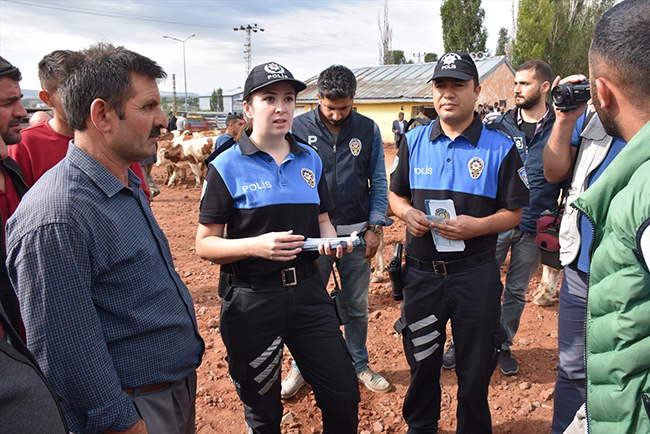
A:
581, 151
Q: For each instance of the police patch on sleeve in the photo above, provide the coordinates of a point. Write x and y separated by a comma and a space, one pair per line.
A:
476, 166
355, 146
309, 177
524, 176
395, 163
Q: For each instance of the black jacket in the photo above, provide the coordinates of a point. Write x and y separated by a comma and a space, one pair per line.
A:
8, 298
28, 403
345, 163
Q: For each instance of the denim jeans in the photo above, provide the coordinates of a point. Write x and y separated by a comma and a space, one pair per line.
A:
524, 261
570, 386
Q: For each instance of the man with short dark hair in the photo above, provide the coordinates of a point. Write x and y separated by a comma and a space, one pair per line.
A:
45, 144
181, 122
479, 169
12, 183
420, 118
28, 404
106, 314
352, 151
578, 150
530, 125
399, 128
618, 206
235, 126
171, 122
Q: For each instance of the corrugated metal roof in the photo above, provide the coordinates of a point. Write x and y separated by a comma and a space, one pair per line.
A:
398, 82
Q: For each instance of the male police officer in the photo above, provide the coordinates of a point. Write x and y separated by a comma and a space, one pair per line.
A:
353, 156
455, 158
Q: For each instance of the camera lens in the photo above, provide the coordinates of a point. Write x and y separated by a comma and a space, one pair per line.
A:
560, 94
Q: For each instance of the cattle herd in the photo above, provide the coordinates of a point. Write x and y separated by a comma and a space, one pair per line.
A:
179, 149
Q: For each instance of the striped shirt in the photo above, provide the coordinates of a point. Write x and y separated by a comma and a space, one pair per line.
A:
103, 306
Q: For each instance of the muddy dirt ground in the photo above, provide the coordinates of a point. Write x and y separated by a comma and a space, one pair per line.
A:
522, 403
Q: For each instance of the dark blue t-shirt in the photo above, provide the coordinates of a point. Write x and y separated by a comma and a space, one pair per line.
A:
586, 229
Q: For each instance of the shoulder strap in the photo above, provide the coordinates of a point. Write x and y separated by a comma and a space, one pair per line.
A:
567, 182
500, 127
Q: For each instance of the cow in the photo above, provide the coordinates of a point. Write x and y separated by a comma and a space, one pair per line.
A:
191, 152
380, 264
547, 288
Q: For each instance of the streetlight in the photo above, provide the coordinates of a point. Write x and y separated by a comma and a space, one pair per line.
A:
247, 45
184, 70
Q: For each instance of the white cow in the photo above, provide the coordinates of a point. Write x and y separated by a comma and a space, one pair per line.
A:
189, 152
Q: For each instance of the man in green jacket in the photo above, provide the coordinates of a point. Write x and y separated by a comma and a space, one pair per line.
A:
618, 205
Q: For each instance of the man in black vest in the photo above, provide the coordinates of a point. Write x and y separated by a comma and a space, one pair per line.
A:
351, 148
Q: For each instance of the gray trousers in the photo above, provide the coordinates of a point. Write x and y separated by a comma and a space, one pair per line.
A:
524, 261
169, 410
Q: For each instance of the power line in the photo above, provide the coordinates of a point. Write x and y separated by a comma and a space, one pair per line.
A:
164, 21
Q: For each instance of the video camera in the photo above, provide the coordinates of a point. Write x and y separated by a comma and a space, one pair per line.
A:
569, 96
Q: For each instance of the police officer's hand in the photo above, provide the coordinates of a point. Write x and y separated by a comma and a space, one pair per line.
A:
416, 223
324, 249
279, 246
463, 227
372, 243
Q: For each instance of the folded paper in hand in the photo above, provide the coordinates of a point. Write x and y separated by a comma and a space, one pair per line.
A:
438, 211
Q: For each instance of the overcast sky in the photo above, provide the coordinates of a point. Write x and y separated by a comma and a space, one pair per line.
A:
303, 36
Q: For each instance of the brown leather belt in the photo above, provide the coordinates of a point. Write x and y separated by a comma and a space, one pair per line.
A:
144, 389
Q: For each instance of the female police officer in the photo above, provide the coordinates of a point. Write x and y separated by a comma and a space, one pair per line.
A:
269, 191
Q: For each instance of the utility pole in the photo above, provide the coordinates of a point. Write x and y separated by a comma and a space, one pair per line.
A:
419, 55
184, 69
247, 45
174, 107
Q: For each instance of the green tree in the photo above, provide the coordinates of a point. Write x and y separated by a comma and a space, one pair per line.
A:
216, 100
430, 58
502, 42
398, 57
462, 25
573, 29
534, 26
558, 32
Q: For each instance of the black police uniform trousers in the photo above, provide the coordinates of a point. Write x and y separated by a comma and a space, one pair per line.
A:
257, 322
471, 298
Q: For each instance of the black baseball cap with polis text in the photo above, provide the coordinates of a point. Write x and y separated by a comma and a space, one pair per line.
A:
455, 65
269, 73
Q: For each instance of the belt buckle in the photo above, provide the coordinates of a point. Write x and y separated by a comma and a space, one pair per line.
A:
436, 265
291, 272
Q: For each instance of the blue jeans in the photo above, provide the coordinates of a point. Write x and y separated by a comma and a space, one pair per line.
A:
524, 261
570, 387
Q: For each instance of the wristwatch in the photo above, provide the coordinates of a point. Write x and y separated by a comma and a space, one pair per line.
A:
377, 229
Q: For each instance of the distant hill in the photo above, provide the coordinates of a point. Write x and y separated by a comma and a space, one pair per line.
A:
31, 93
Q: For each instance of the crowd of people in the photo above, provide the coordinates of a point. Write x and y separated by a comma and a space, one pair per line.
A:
98, 332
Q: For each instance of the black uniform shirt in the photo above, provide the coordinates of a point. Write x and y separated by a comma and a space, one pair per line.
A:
480, 170
246, 190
